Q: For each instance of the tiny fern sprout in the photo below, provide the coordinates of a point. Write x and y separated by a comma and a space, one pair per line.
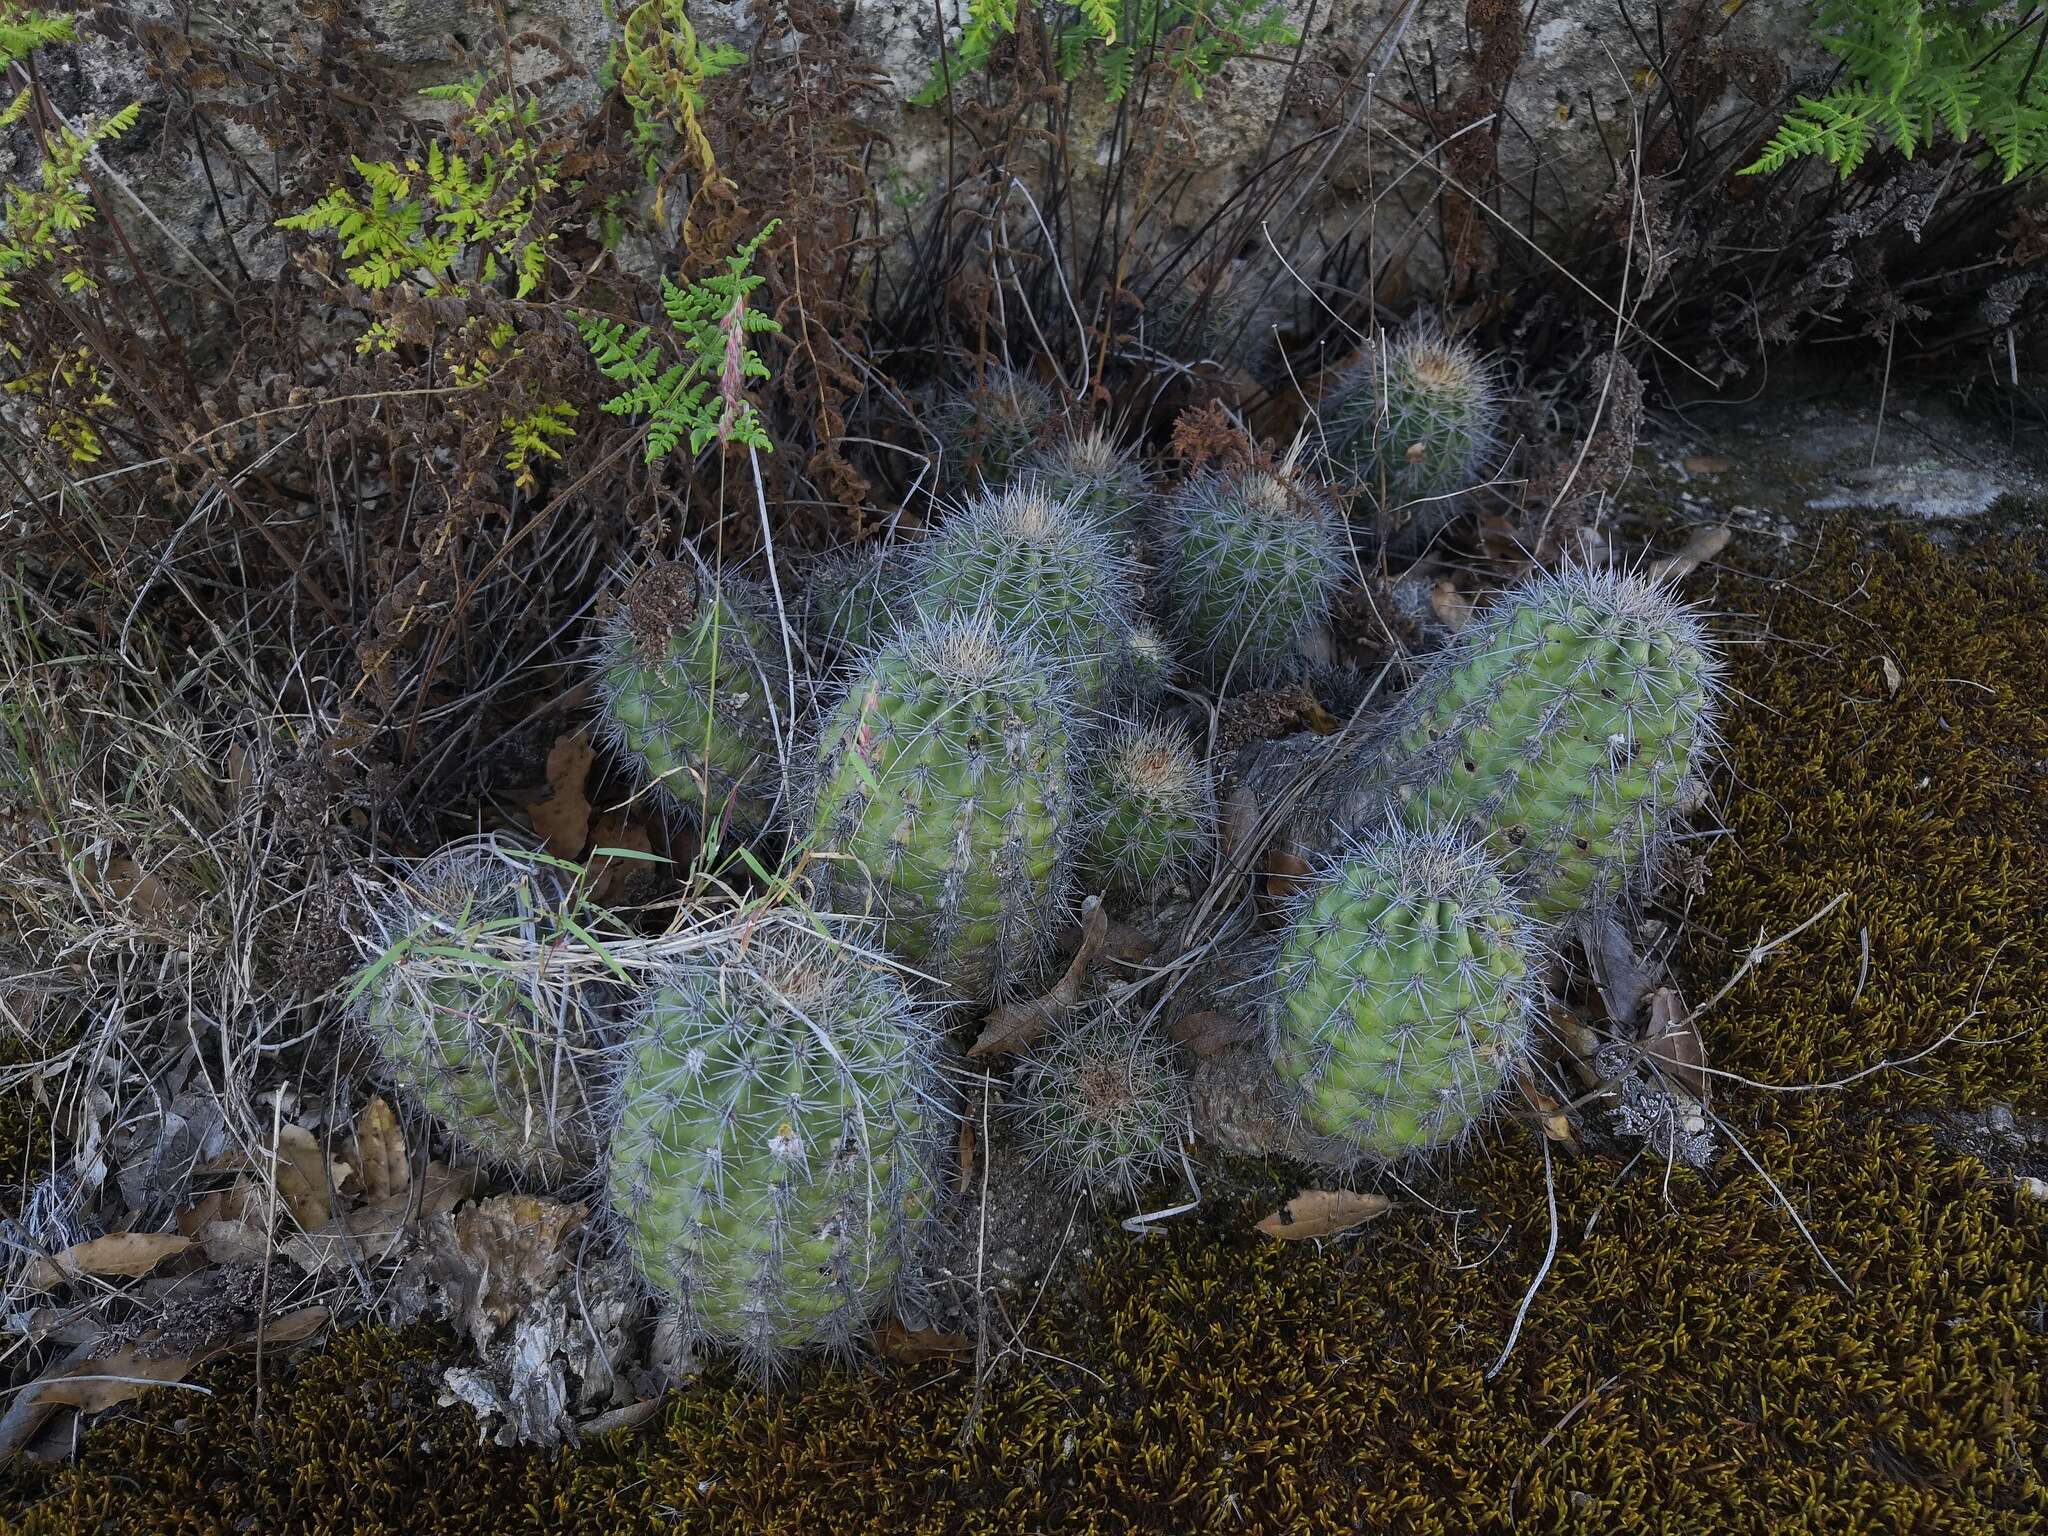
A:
702, 396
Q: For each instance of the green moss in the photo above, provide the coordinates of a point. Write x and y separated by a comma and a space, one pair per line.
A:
1687, 1366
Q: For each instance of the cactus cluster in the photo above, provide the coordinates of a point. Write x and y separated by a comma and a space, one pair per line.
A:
691, 676
1563, 729
489, 1047
1401, 997
773, 1133
1254, 561
942, 800
1414, 423
775, 1097
1148, 810
1101, 1103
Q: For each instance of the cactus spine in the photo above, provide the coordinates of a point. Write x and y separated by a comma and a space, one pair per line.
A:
1564, 728
1041, 569
1416, 421
942, 799
1101, 1103
1089, 470
486, 1044
774, 1121
1148, 810
1402, 997
691, 678
1256, 558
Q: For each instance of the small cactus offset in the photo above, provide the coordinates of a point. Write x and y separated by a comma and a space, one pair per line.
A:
1102, 1103
1415, 422
1148, 810
1041, 569
1402, 996
488, 1046
1256, 558
1565, 728
774, 1123
1143, 665
987, 427
692, 677
846, 608
1103, 480
942, 800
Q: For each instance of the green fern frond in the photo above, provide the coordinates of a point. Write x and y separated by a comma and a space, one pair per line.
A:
701, 397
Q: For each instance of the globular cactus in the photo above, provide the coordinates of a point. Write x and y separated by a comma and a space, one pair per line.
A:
1401, 1000
1565, 728
467, 1017
1041, 569
942, 799
846, 600
1102, 1103
1148, 810
1415, 422
988, 426
1089, 470
774, 1123
1143, 665
1256, 555
692, 677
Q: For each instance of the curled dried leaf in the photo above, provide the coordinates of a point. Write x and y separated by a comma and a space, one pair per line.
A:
1324, 1213
563, 819
126, 1254
1674, 1042
1015, 1025
1209, 1033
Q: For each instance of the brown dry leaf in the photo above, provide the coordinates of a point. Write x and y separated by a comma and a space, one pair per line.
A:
1015, 1025
563, 819
301, 1172
1319, 720
608, 873
1452, 607
1550, 1114
1324, 1213
1708, 463
1500, 540
150, 898
378, 1227
1283, 876
380, 1156
1619, 972
914, 1346
1210, 1033
1127, 945
1674, 1042
195, 1216
1703, 546
1893, 677
85, 1386
118, 1253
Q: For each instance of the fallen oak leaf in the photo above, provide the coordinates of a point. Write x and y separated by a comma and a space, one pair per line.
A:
563, 819
300, 1168
914, 1346
1324, 1213
380, 1156
1015, 1025
128, 1254
93, 1386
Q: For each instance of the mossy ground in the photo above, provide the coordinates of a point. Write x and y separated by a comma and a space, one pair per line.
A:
1689, 1365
